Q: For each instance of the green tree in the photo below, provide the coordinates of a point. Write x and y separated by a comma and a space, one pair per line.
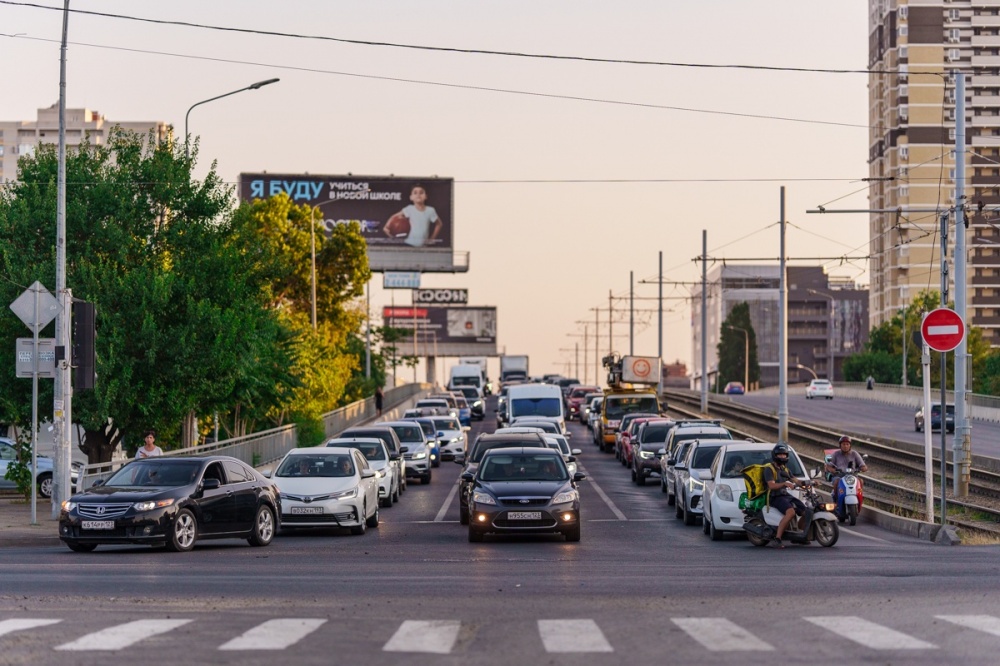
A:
732, 347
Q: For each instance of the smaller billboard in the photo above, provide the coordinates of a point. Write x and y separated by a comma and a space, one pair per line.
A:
440, 296
401, 280
445, 324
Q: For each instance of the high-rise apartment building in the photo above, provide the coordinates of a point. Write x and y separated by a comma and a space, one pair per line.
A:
912, 159
19, 137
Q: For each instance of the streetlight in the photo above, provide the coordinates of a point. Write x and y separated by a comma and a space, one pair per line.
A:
829, 333
252, 86
746, 355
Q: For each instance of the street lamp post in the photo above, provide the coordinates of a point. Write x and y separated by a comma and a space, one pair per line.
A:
252, 86
746, 355
829, 334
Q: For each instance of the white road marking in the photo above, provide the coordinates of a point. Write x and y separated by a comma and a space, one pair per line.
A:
985, 623
597, 489
434, 636
863, 536
572, 636
720, 635
122, 635
439, 518
274, 634
10, 626
869, 634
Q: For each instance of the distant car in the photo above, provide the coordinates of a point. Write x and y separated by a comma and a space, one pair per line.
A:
949, 419
575, 401
594, 416
477, 403
819, 388
688, 484
415, 447
734, 388
427, 423
43, 480
451, 436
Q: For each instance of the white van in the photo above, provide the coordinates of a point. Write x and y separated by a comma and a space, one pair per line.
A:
535, 402
465, 374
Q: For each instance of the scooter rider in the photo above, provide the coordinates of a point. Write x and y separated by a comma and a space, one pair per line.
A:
779, 480
843, 460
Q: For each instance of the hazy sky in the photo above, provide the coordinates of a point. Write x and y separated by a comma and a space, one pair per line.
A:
544, 253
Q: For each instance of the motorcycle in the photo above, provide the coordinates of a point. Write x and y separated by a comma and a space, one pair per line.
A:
848, 488
819, 523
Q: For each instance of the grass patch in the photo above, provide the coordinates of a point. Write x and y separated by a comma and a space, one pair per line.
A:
977, 538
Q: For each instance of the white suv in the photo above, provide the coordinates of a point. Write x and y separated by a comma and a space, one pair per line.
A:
819, 388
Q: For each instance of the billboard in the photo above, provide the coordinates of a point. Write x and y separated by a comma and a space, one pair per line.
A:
440, 296
446, 330
393, 213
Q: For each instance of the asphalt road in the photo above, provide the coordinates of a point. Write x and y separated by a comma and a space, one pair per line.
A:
640, 587
861, 417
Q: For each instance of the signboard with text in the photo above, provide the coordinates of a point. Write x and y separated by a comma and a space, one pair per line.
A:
401, 280
446, 330
440, 296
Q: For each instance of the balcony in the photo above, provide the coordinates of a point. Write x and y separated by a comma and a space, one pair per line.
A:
985, 21
986, 40
986, 141
986, 60
986, 100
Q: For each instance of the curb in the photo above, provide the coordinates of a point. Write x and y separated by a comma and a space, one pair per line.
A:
918, 529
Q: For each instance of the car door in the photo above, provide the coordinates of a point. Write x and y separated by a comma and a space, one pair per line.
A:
7, 456
216, 506
244, 489
369, 486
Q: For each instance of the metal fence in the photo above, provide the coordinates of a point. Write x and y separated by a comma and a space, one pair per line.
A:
267, 446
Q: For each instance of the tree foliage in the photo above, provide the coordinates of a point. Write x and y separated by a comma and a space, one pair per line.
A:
732, 347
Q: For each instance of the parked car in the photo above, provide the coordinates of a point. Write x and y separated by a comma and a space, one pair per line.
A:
645, 445
734, 388
391, 440
331, 486
949, 418
173, 501
724, 484
379, 459
523, 491
43, 478
819, 388
483, 444
687, 482
415, 447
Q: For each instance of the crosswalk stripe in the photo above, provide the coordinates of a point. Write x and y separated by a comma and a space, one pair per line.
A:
10, 626
573, 636
122, 635
274, 634
985, 623
869, 634
720, 635
435, 636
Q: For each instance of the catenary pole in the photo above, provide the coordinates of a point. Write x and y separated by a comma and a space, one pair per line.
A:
944, 376
631, 313
782, 335
962, 445
704, 321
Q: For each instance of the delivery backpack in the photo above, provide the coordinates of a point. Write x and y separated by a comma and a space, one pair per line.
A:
753, 476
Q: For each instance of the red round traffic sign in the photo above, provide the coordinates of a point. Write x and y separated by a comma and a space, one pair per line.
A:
942, 329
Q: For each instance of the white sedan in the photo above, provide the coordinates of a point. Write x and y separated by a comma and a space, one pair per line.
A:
328, 487
819, 388
380, 460
451, 436
724, 484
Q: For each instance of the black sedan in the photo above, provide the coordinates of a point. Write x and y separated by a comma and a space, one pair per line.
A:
173, 502
523, 491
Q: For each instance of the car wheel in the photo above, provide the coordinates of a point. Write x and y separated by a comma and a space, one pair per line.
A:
704, 525
678, 507
573, 533
689, 515
426, 478
402, 485
82, 547
714, 534
463, 516
663, 486
183, 533
475, 536
373, 519
633, 476
358, 530
640, 480
671, 498
263, 527
44, 482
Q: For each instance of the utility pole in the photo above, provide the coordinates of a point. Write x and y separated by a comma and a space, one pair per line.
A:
962, 446
944, 377
904, 344
611, 321
631, 313
782, 335
659, 335
704, 321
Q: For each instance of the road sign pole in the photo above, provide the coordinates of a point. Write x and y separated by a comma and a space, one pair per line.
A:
34, 407
944, 375
928, 444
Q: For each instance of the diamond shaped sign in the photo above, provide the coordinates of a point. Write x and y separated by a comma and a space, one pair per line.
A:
24, 306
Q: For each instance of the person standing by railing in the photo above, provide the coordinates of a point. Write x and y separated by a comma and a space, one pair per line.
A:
149, 449
379, 398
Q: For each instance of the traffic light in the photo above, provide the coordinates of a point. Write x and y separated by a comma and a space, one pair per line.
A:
84, 336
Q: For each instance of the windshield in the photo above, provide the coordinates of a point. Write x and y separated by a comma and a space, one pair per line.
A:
155, 473
656, 434
534, 467
736, 461
704, 456
371, 451
407, 433
535, 407
427, 426
462, 404
384, 436
686, 436
936, 410
482, 447
470, 393
446, 424
617, 407
470, 380
440, 404
560, 442
316, 464
544, 426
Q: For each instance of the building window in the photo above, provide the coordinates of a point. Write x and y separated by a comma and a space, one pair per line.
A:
904, 152
904, 191
902, 31
904, 52
954, 35
904, 11
954, 15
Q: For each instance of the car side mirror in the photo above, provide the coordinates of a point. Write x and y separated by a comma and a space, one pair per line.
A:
813, 473
568, 434
367, 473
211, 484
579, 477
680, 466
705, 475
459, 460
393, 456
671, 462
98, 483
266, 473
440, 434
468, 476
661, 452
571, 459
404, 449
575, 452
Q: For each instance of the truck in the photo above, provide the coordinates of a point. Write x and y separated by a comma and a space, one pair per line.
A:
513, 368
632, 382
481, 362
466, 374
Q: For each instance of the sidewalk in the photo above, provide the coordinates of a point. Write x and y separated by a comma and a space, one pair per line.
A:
16, 529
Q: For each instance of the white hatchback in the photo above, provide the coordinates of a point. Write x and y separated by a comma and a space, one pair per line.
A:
819, 388
724, 484
327, 487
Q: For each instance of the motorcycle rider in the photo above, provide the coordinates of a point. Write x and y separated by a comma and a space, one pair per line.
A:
779, 479
843, 460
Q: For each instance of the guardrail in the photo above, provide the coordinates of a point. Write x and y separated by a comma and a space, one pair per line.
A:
267, 446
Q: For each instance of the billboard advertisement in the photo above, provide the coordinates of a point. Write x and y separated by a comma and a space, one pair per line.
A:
393, 213
441, 296
445, 324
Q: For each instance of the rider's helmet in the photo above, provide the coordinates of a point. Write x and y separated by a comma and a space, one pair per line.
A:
843, 440
780, 453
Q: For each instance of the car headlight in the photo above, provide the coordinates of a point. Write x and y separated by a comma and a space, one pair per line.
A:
380, 473
695, 484
151, 504
483, 498
68, 506
477, 403
454, 440
724, 492
645, 455
420, 456
565, 496
345, 494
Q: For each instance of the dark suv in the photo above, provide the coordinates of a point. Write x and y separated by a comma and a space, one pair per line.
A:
483, 444
650, 438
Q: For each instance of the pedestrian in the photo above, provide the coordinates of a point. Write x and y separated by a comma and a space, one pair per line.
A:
870, 383
379, 396
149, 449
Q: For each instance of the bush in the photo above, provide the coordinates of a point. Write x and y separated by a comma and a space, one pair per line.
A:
311, 432
19, 470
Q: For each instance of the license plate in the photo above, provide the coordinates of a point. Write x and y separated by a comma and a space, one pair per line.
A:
97, 524
306, 510
524, 515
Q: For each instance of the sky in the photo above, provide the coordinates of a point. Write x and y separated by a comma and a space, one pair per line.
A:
568, 173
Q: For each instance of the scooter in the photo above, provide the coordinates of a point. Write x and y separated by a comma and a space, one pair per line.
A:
848, 488
819, 524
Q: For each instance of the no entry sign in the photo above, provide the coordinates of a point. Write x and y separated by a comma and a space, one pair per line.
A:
942, 329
